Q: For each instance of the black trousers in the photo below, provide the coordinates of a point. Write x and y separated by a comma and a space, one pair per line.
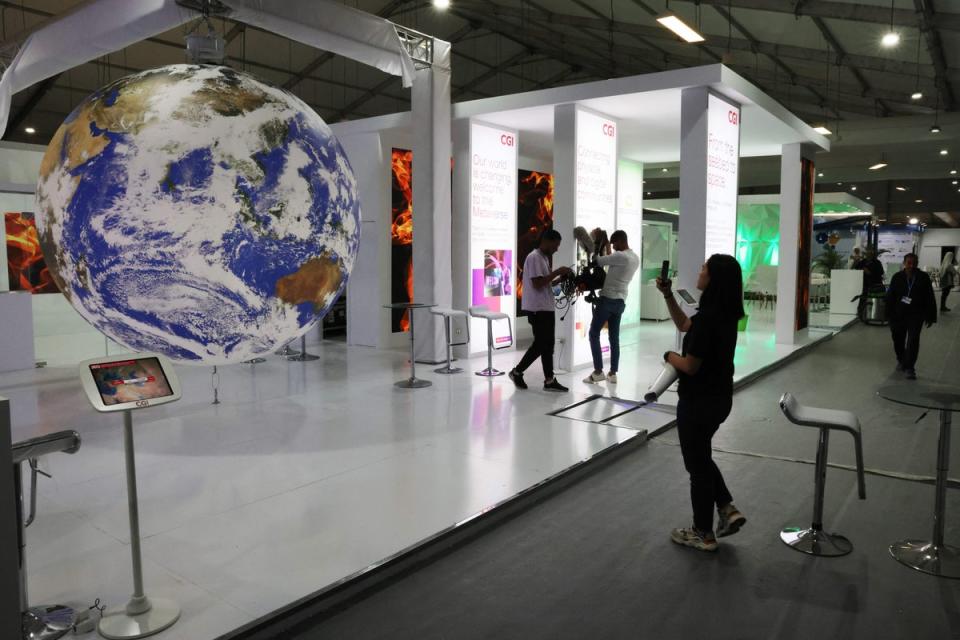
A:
543, 323
698, 418
943, 297
906, 339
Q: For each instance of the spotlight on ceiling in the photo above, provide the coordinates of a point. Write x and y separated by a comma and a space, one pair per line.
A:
853, 188
878, 166
680, 28
935, 128
820, 175
664, 170
29, 130
914, 220
868, 197
916, 95
822, 130
901, 188
954, 182
943, 152
919, 200
953, 172
441, 4
890, 39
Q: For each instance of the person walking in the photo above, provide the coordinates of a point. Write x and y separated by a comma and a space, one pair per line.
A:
948, 278
910, 303
538, 302
621, 266
705, 368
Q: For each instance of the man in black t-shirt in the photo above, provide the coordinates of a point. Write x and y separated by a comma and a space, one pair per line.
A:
910, 303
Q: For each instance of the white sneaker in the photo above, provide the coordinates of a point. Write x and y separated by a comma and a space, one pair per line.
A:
612, 378
594, 378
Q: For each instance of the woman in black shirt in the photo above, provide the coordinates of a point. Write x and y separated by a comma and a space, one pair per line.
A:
705, 389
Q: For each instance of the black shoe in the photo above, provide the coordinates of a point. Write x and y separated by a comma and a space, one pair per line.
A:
899, 366
517, 378
554, 385
944, 309
911, 374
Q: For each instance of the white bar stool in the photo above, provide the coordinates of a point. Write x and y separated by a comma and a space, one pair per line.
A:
448, 316
481, 311
814, 540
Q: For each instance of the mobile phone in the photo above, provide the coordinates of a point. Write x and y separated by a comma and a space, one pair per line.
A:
665, 271
689, 299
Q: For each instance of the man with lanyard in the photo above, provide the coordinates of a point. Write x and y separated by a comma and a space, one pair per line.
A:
910, 303
621, 266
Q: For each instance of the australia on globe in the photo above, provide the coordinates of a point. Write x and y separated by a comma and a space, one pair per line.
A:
198, 212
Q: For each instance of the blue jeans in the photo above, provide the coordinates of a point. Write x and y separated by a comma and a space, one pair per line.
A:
609, 311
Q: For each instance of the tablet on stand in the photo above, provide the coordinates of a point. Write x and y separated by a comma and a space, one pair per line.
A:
128, 383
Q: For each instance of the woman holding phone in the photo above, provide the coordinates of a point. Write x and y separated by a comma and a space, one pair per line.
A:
705, 391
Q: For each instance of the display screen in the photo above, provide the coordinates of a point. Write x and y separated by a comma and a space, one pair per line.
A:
130, 381
723, 163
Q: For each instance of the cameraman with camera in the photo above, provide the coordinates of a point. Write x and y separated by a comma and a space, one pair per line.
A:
539, 303
622, 265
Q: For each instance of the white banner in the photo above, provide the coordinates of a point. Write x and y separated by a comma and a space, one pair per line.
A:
493, 227
723, 161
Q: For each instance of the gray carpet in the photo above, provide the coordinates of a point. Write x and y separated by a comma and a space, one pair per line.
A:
595, 561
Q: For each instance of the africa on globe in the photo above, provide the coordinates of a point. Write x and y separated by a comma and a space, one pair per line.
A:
198, 212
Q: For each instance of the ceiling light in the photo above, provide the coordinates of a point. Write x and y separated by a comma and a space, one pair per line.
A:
919, 201
890, 39
822, 130
679, 27
441, 4
954, 182
664, 170
879, 165
853, 188
868, 197
953, 172
935, 128
30, 130
901, 188
943, 152
839, 183
916, 95
914, 220
820, 175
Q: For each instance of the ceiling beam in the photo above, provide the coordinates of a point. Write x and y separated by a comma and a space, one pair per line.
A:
490, 73
935, 49
641, 39
853, 11
842, 58
39, 91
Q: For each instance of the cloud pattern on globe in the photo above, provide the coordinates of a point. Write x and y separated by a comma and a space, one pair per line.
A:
198, 212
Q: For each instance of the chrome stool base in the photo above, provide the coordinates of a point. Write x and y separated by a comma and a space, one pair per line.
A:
286, 351
118, 624
448, 369
47, 622
816, 542
490, 373
922, 555
256, 360
413, 383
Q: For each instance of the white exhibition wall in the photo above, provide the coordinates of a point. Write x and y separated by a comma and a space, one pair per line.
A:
931, 243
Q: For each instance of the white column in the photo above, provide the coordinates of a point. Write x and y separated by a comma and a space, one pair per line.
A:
790, 269
431, 201
630, 219
564, 214
692, 232
9, 536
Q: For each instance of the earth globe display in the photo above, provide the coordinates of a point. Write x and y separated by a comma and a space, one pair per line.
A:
198, 212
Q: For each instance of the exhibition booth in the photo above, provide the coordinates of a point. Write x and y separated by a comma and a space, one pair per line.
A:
271, 480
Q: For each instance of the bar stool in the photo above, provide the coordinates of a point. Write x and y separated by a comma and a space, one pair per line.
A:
481, 311
44, 622
814, 540
448, 316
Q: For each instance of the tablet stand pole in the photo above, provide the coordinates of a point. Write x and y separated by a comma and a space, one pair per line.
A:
303, 356
141, 616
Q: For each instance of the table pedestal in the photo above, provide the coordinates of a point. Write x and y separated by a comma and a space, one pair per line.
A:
412, 382
933, 556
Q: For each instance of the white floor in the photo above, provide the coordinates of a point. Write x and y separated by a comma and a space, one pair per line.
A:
304, 474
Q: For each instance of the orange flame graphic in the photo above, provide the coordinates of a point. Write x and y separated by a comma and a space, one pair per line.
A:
535, 214
401, 231
25, 263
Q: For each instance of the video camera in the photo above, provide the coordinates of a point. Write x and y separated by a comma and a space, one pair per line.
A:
587, 276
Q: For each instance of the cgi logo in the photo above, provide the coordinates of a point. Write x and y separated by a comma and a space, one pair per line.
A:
609, 130
506, 140
733, 117
143, 403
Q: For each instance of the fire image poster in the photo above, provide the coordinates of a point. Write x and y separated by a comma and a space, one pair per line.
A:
534, 216
26, 265
401, 236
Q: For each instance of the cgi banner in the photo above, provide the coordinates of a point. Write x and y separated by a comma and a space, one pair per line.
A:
723, 161
596, 204
493, 220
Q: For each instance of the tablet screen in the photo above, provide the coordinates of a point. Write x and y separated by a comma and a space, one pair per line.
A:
126, 381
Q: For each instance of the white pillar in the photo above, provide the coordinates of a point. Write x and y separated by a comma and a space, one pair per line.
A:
796, 224
431, 201
564, 215
630, 219
692, 230
9, 536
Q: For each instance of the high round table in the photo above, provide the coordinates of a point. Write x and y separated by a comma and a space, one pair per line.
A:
412, 382
933, 556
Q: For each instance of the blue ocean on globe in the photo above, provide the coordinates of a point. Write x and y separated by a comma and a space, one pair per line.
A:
198, 212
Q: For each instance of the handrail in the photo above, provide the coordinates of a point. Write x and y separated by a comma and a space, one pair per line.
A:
60, 442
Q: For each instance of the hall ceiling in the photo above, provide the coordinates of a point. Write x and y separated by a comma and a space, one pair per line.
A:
820, 58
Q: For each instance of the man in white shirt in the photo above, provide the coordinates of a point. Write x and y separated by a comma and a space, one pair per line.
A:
621, 265
539, 303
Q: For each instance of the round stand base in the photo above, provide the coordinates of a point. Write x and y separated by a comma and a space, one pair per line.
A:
303, 357
256, 360
117, 624
448, 369
943, 561
47, 622
490, 373
413, 383
286, 351
816, 543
